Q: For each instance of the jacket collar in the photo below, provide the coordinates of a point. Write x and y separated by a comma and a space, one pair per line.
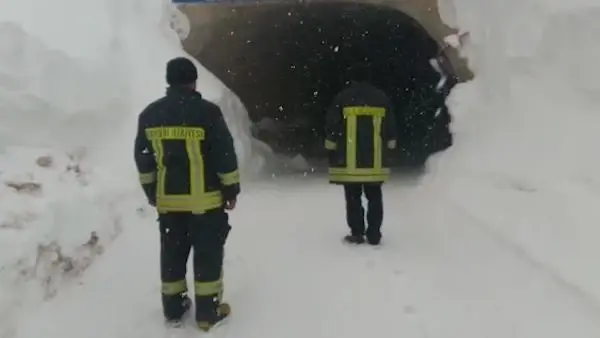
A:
179, 90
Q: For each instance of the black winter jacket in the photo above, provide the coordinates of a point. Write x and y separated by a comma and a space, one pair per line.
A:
360, 134
185, 154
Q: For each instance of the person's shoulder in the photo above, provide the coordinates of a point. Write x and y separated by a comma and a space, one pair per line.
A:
152, 107
212, 107
208, 108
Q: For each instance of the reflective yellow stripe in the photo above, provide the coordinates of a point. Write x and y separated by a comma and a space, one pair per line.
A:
359, 178
230, 178
364, 111
161, 170
351, 173
174, 288
330, 145
377, 149
350, 114
359, 171
391, 144
196, 162
175, 133
146, 178
195, 204
208, 288
359, 174
198, 201
351, 141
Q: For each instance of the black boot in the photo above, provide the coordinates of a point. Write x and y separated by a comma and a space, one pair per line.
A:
177, 321
223, 312
354, 239
373, 236
374, 240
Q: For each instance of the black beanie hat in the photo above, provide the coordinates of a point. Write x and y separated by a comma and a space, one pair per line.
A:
181, 71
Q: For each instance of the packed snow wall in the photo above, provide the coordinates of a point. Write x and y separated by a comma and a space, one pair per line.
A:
73, 77
67, 88
524, 161
286, 60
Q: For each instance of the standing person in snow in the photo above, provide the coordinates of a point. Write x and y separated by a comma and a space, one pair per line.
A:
188, 169
360, 129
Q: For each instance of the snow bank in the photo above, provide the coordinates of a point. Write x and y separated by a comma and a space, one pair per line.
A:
56, 218
74, 74
54, 73
526, 130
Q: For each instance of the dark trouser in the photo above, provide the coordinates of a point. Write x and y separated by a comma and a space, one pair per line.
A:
355, 212
206, 234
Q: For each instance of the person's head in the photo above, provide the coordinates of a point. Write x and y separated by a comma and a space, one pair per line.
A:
181, 72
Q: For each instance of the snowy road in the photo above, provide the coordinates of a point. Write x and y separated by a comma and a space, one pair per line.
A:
439, 274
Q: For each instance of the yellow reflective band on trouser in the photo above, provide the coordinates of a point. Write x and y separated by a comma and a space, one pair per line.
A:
358, 178
230, 178
358, 175
174, 288
189, 203
208, 288
147, 178
391, 144
330, 145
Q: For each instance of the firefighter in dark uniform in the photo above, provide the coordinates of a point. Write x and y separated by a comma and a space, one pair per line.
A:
188, 169
360, 134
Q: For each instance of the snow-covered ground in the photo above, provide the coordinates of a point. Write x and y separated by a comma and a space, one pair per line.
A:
497, 240
439, 274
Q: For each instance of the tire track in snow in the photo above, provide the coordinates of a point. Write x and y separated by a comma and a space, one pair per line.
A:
524, 255
465, 283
